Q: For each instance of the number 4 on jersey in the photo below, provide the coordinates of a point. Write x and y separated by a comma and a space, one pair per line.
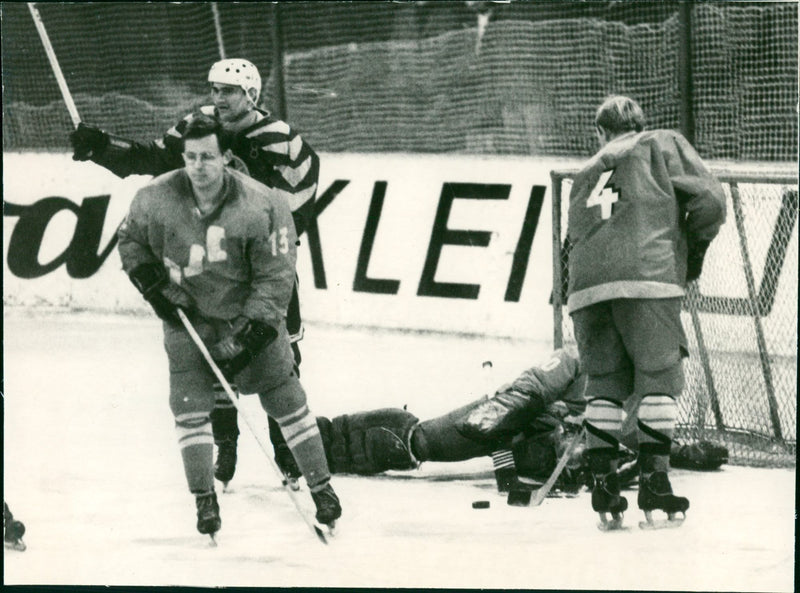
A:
603, 196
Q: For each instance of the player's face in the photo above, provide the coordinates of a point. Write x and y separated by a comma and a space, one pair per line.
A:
205, 163
231, 101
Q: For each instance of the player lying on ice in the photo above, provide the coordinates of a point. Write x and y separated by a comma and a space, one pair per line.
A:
525, 425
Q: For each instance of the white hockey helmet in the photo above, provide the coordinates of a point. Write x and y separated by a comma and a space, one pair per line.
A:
237, 72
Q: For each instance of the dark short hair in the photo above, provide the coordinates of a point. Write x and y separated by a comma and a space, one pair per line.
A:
202, 125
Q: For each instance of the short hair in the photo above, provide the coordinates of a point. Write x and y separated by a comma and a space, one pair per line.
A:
202, 125
619, 114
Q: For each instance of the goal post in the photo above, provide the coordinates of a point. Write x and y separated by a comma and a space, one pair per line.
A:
740, 318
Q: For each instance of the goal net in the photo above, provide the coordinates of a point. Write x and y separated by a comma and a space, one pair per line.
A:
740, 318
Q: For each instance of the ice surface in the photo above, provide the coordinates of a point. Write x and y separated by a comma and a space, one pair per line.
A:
93, 469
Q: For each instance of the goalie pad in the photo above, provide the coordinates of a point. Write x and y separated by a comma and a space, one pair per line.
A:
501, 416
369, 442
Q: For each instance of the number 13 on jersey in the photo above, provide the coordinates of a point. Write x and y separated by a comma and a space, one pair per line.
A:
214, 252
603, 196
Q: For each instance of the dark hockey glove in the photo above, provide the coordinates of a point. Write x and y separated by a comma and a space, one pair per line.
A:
694, 261
87, 142
702, 455
149, 279
247, 338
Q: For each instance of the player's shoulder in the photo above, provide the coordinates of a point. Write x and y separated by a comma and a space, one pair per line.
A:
661, 137
268, 126
169, 181
254, 193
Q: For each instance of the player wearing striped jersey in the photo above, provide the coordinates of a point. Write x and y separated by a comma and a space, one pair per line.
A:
265, 148
222, 246
642, 213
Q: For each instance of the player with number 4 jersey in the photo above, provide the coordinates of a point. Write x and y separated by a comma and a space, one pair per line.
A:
642, 213
638, 208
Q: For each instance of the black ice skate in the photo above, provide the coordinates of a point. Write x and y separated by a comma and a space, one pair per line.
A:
208, 519
606, 499
655, 493
225, 466
288, 466
328, 507
13, 531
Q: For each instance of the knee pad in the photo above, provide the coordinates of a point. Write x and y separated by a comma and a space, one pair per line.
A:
440, 439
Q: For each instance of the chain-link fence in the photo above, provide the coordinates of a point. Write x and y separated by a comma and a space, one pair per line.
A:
465, 77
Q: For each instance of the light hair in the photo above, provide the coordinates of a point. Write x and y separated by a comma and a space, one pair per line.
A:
619, 114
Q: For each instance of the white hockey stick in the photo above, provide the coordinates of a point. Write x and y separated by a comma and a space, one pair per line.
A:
542, 492
51, 55
256, 433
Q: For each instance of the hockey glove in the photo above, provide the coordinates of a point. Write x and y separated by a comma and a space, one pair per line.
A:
87, 142
234, 352
149, 279
694, 261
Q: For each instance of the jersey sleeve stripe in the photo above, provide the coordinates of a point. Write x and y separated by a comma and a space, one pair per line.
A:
294, 175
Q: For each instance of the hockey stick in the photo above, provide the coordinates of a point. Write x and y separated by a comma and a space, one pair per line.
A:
542, 492
51, 56
256, 433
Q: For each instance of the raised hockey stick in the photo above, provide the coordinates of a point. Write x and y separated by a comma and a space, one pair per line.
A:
256, 433
51, 56
542, 492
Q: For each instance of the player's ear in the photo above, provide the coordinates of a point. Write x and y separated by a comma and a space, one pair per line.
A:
227, 156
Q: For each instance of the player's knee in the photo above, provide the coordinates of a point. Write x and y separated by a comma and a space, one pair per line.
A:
667, 380
284, 398
193, 428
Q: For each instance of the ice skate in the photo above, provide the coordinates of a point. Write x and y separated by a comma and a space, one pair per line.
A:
225, 466
288, 466
208, 519
328, 507
606, 499
13, 531
655, 493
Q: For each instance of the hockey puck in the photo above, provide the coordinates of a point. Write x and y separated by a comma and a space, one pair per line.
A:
480, 504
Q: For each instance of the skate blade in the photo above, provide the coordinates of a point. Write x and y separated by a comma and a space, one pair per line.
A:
17, 545
612, 524
292, 483
321, 533
671, 522
213, 540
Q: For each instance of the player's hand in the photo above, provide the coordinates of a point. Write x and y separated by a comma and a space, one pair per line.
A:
246, 339
87, 141
694, 261
151, 280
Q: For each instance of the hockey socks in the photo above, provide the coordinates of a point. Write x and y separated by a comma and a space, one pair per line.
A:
197, 449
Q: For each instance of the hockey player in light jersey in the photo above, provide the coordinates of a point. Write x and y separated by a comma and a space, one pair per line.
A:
265, 148
222, 246
642, 212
